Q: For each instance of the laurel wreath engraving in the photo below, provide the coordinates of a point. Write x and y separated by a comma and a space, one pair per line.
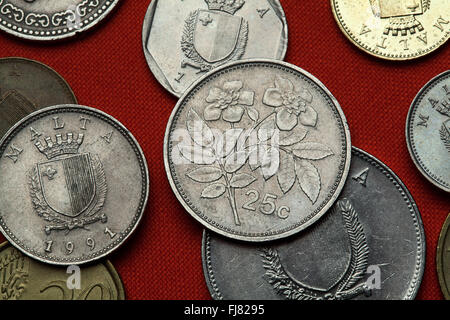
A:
346, 288
445, 134
59, 222
195, 59
444, 109
13, 275
289, 158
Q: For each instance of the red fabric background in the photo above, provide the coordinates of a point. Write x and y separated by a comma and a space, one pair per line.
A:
106, 69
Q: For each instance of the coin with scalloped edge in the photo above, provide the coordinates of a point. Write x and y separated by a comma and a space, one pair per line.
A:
183, 40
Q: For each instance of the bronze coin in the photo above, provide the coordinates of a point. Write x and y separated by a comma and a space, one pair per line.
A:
26, 86
22, 278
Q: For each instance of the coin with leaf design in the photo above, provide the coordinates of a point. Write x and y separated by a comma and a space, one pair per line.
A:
257, 150
428, 131
370, 246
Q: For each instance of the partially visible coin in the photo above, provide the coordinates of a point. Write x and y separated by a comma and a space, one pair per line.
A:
51, 19
22, 278
184, 40
428, 131
26, 86
394, 30
443, 259
257, 150
371, 245
73, 184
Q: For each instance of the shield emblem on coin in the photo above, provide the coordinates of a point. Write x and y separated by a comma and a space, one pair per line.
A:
68, 184
216, 35
398, 8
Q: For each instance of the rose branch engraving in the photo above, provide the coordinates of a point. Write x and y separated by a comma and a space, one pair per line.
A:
278, 149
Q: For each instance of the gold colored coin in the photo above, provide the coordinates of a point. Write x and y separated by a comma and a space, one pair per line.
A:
443, 259
22, 278
394, 29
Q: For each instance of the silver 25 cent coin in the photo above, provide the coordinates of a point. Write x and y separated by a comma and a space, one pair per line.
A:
371, 245
183, 40
51, 19
257, 150
73, 184
428, 131
26, 86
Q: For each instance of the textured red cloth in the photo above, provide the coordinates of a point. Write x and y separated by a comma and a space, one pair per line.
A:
106, 69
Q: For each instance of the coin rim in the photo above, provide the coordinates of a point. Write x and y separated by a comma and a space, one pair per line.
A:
143, 170
107, 264
439, 259
45, 67
389, 58
327, 93
409, 128
64, 35
420, 233
159, 74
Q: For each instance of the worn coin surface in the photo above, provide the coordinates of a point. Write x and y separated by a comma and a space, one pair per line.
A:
26, 86
428, 131
257, 150
22, 278
51, 19
394, 30
371, 245
184, 39
73, 184
443, 259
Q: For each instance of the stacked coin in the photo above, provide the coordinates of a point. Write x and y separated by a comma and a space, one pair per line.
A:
256, 150
74, 187
259, 150
74, 180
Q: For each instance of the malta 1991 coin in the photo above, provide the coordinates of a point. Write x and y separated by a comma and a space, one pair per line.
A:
428, 131
26, 86
73, 184
22, 278
51, 19
443, 259
394, 29
183, 40
257, 150
371, 245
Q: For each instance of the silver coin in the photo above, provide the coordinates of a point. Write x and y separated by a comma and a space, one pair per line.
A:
184, 39
73, 185
257, 150
51, 19
428, 131
370, 246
